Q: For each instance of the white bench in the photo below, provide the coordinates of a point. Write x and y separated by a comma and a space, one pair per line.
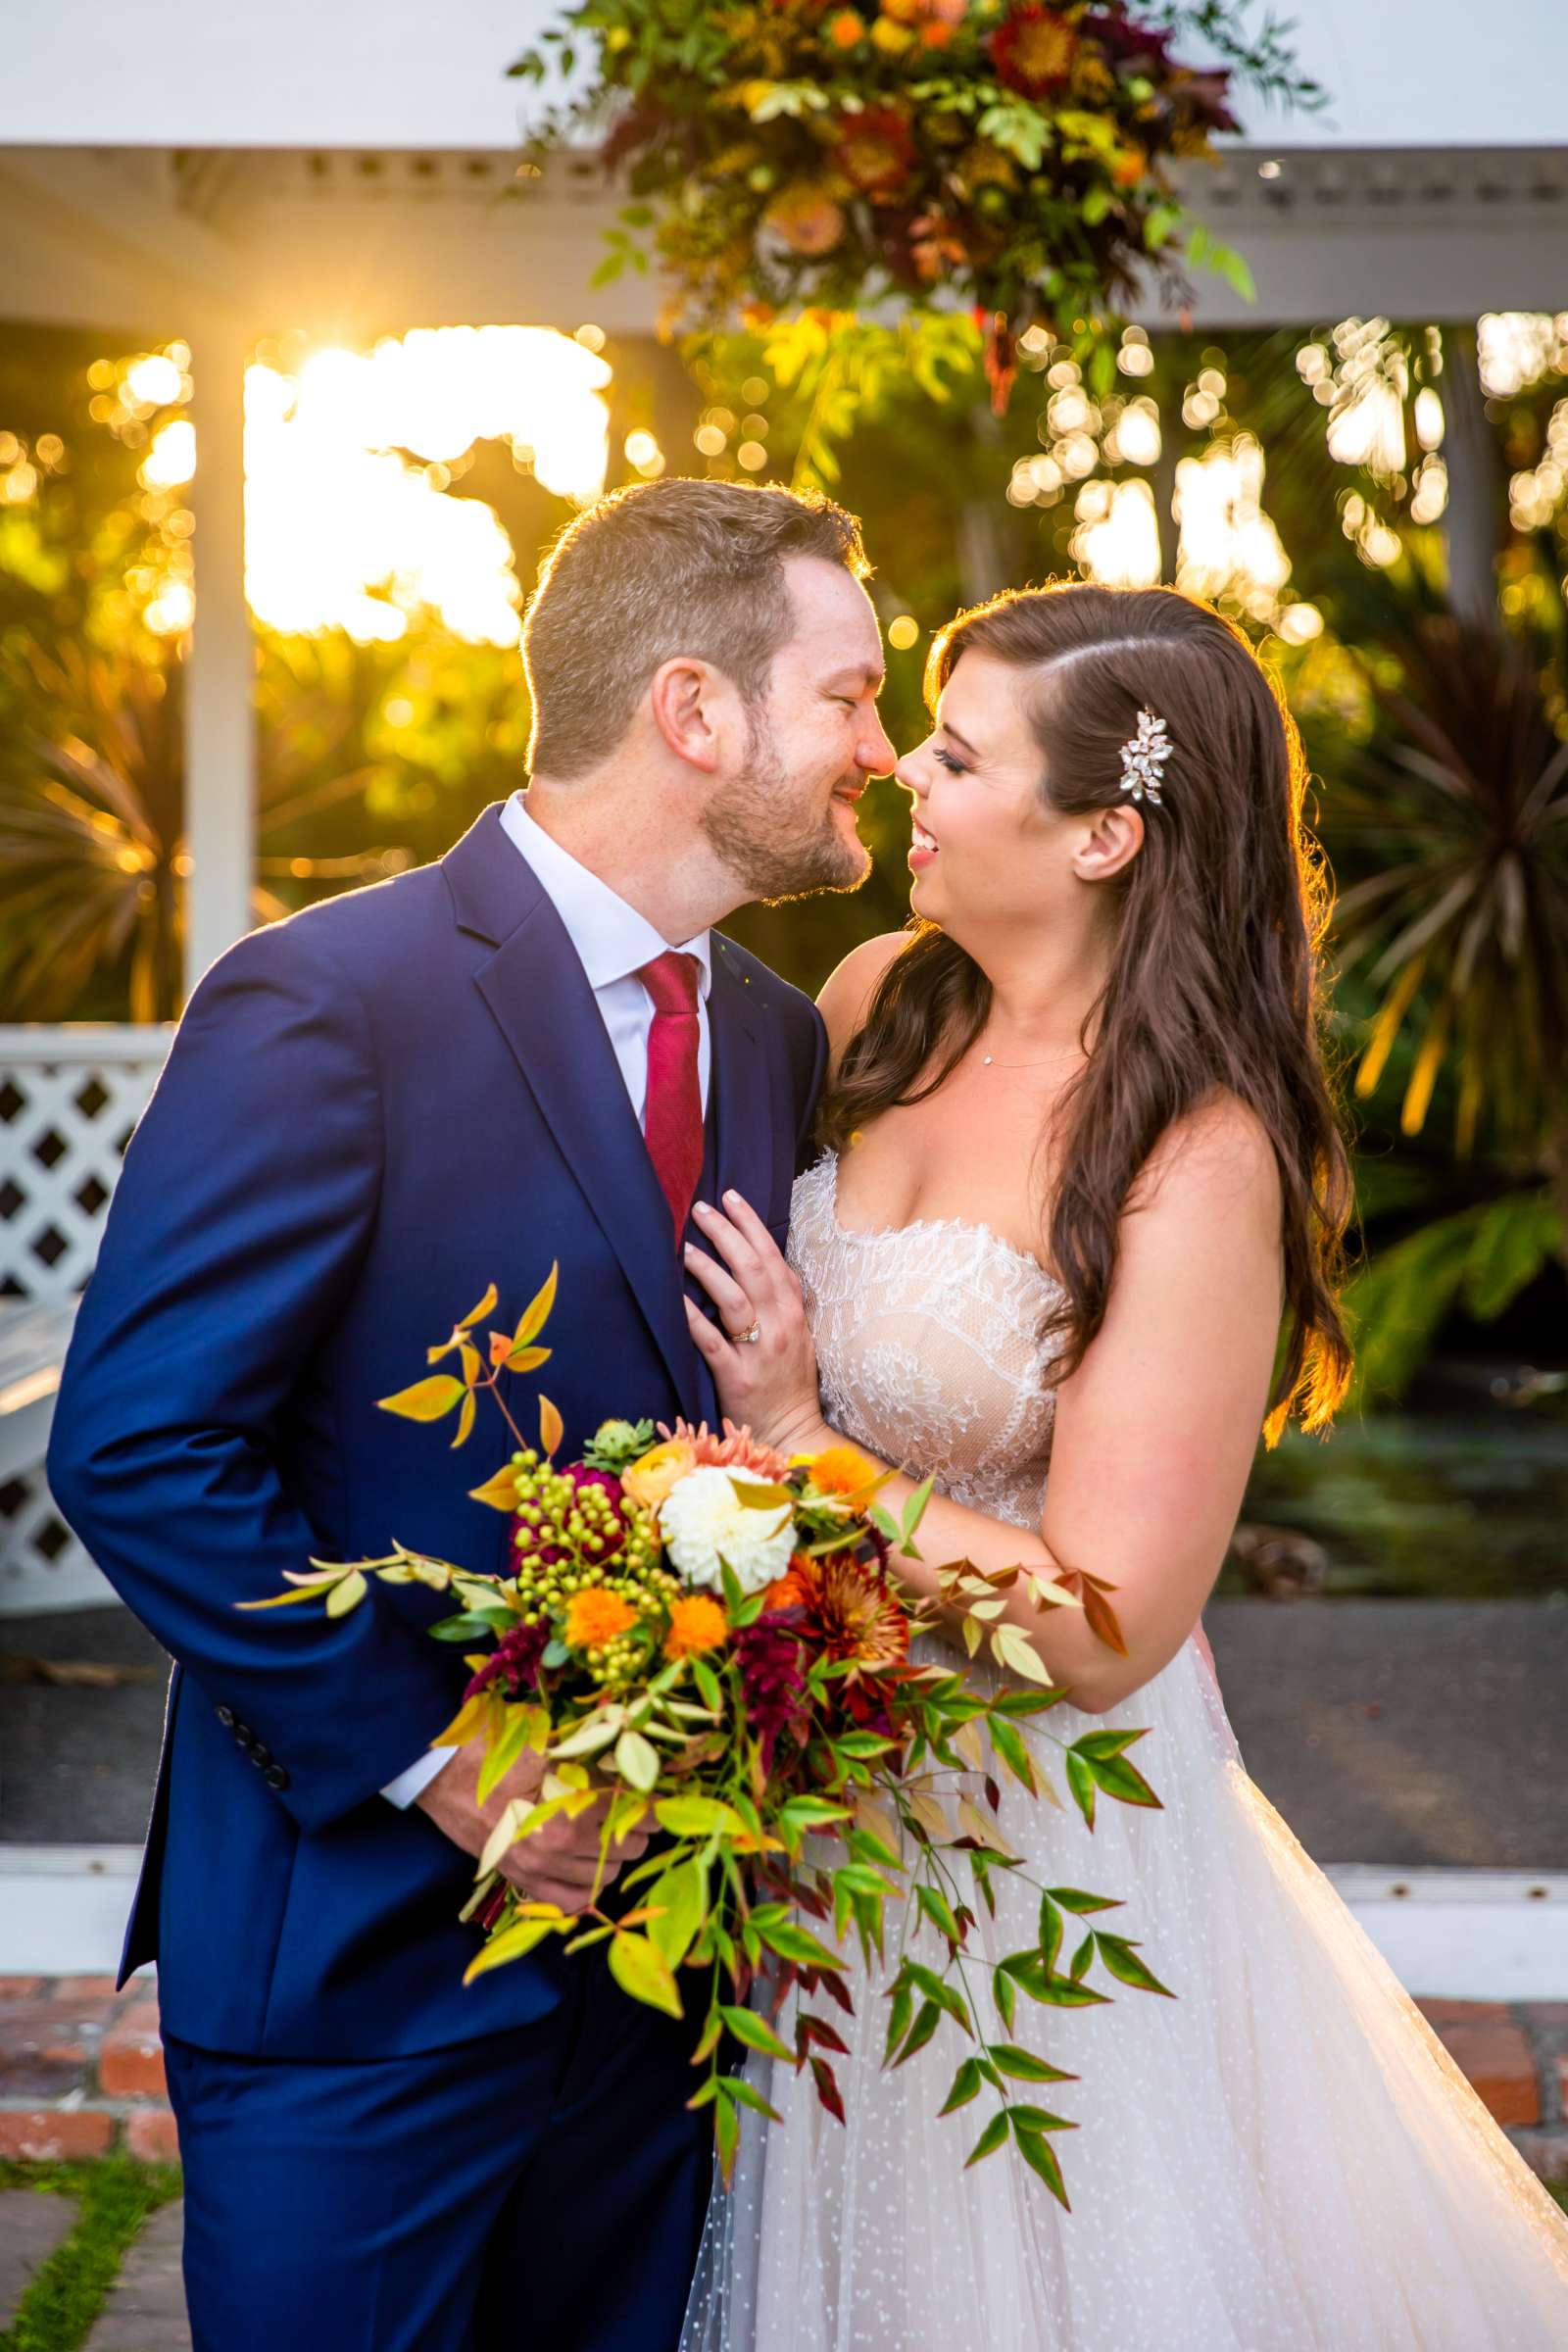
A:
69, 1098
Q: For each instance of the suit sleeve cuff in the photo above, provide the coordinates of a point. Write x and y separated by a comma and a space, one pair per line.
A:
417, 1777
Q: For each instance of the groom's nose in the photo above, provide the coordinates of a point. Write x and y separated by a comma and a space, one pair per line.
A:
874, 751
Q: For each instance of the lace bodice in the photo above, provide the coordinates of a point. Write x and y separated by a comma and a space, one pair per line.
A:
928, 1350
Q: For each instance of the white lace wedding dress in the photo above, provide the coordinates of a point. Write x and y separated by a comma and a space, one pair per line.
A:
1282, 2159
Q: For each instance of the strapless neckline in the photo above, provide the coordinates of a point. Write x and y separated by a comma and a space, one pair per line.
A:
971, 1228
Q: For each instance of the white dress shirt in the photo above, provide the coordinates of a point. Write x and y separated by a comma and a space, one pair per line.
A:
613, 942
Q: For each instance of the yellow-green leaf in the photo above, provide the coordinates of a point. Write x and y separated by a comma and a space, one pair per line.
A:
679, 1900
476, 1314
752, 1497
513, 1943
527, 1359
346, 1595
468, 1723
465, 1421
637, 1761
1013, 1650
695, 1816
537, 1312
427, 1399
499, 1492
504, 1836
552, 1429
641, 1969
283, 1601
591, 1735
469, 1358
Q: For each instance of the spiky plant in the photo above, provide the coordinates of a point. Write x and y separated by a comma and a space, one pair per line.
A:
1462, 924
1457, 831
92, 856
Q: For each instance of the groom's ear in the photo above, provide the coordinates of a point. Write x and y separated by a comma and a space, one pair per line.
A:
1108, 845
689, 703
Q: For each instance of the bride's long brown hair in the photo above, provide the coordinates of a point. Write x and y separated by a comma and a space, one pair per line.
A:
1215, 979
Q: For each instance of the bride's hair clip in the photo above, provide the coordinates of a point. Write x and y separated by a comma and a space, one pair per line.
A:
1143, 757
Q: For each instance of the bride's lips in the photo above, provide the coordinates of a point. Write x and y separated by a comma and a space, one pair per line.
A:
923, 849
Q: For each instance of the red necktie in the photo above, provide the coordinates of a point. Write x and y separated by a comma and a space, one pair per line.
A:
672, 1114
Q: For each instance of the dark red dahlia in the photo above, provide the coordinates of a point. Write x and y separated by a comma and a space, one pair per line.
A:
772, 1664
876, 148
1128, 42
515, 1661
1033, 51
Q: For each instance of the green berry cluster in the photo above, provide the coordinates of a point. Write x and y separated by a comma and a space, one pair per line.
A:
569, 1537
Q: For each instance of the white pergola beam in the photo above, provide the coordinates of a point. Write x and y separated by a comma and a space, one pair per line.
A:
116, 214
220, 676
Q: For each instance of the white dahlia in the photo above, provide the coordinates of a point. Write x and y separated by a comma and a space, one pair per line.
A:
704, 1521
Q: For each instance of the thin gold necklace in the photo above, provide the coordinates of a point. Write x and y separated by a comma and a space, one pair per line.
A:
986, 1063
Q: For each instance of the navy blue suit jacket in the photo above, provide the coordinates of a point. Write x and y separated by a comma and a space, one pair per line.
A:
369, 1112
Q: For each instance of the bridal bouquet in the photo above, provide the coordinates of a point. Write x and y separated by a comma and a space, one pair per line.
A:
711, 1635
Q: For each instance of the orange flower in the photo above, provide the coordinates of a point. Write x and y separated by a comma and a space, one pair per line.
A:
845, 30
737, 1449
695, 1622
650, 1478
843, 1471
854, 1614
596, 1615
806, 219
791, 1591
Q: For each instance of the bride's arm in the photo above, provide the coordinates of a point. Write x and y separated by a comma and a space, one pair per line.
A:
1156, 1431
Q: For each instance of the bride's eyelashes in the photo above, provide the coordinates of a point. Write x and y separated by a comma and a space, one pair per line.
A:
954, 767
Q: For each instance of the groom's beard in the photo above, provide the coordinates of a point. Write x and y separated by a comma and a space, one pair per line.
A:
776, 850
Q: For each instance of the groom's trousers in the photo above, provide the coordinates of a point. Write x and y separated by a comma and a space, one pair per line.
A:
542, 2186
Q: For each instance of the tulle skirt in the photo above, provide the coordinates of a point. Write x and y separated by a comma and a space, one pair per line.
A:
1281, 2159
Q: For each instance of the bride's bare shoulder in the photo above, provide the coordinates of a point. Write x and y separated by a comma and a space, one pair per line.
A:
851, 986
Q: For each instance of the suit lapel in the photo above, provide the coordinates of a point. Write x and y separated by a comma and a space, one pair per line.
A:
538, 994
744, 1081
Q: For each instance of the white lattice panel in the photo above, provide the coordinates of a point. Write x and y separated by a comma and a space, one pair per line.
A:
69, 1098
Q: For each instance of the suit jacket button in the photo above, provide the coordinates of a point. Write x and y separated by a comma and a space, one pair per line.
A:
225, 1716
275, 1777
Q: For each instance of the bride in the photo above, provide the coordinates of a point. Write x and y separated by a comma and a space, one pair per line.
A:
1080, 1208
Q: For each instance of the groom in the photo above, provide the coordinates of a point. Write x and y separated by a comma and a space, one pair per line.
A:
537, 1049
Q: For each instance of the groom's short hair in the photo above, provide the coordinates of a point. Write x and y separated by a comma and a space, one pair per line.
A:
655, 570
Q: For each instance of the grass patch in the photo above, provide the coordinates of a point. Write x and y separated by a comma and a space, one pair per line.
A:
114, 2197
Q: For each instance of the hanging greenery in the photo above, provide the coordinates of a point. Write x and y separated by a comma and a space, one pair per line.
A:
785, 154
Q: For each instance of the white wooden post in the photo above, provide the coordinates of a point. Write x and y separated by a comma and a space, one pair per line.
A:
219, 713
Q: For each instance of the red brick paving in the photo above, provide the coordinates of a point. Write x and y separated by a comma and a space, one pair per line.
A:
82, 2070
150, 2135
46, 2135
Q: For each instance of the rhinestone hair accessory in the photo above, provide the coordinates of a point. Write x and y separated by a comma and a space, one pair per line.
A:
1144, 758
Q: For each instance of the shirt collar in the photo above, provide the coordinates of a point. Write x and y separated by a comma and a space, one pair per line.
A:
611, 939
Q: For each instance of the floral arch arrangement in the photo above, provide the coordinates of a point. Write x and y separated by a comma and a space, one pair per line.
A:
999, 154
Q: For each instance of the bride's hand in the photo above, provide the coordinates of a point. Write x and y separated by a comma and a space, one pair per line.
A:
760, 1352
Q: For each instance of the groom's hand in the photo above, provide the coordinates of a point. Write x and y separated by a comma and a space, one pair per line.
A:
558, 1863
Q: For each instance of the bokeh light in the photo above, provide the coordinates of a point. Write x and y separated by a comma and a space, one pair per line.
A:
1229, 548
1117, 539
343, 529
